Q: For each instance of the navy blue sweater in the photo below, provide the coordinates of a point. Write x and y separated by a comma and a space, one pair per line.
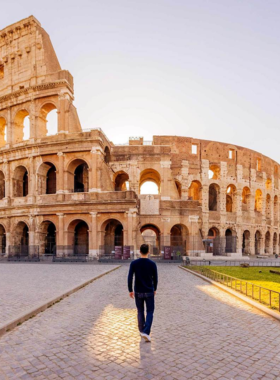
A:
146, 277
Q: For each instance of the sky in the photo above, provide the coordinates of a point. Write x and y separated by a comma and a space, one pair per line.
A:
195, 68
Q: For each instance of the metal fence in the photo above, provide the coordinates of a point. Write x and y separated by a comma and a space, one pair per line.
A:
268, 297
236, 263
23, 253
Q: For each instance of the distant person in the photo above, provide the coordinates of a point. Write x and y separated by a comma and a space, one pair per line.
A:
145, 286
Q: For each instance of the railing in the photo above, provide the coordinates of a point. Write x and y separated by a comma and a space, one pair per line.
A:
268, 297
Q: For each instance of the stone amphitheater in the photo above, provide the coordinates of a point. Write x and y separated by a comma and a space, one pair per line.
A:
73, 192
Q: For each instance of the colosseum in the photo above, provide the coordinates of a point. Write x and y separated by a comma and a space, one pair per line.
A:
71, 191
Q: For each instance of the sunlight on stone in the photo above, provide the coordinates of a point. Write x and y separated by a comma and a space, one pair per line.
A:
115, 334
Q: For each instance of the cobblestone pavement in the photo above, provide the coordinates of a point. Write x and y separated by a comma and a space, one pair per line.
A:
199, 332
26, 285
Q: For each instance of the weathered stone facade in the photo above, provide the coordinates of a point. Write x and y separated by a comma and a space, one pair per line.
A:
77, 189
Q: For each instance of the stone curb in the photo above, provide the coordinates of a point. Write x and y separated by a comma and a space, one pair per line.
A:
251, 302
47, 304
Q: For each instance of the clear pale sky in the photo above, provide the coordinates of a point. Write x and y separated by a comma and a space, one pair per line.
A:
197, 68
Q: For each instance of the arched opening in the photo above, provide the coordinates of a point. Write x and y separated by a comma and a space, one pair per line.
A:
48, 121
179, 188
78, 237
2, 185
214, 172
274, 243
268, 206
151, 235
275, 209
215, 245
258, 237
21, 129
178, 240
107, 155
21, 239
113, 238
2, 240
20, 182
3, 131
246, 243
245, 198
230, 241
47, 238
46, 179
258, 200
149, 182
267, 242
78, 178
214, 197
268, 184
121, 181
195, 191
231, 198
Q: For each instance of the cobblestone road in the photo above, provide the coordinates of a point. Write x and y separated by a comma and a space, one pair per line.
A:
24, 285
199, 332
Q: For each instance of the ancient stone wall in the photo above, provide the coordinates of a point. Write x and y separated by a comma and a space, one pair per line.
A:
76, 192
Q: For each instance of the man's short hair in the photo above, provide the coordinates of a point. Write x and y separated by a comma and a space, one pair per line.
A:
144, 249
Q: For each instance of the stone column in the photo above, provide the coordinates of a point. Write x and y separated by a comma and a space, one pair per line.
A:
64, 101
165, 166
94, 180
31, 180
60, 175
10, 125
7, 180
93, 248
8, 235
31, 235
60, 235
32, 118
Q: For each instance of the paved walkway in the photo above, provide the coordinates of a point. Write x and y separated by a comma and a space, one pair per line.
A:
26, 285
199, 332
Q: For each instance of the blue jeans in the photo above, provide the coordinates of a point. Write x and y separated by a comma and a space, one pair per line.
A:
145, 324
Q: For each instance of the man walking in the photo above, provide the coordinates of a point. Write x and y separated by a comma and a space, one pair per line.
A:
145, 286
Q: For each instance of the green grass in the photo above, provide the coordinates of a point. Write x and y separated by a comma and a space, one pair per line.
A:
259, 276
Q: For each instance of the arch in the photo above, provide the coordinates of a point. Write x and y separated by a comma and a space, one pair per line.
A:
230, 241
214, 172
149, 176
267, 242
246, 243
21, 239
231, 198
214, 197
78, 237
268, 206
178, 239
20, 182
107, 155
276, 208
2, 185
258, 200
47, 238
21, 129
195, 191
150, 234
78, 177
246, 194
46, 178
215, 245
258, 237
2, 240
268, 184
121, 181
112, 231
48, 120
3, 131
179, 188
274, 243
